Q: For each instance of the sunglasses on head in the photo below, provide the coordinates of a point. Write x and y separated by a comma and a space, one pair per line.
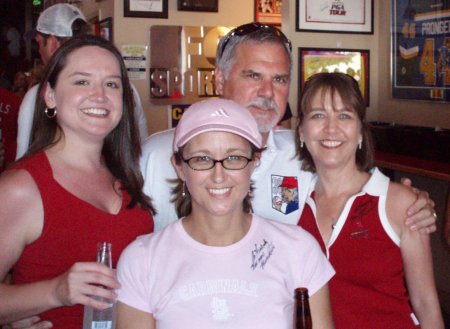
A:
250, 28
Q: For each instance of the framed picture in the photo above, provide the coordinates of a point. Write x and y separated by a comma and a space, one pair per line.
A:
146, 8
354, 62
268, 11
420, 50
199, 5
105, 28
335, 16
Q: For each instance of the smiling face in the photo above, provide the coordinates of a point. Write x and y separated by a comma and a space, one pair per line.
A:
330, 131
217, 191
258, 80
88, 93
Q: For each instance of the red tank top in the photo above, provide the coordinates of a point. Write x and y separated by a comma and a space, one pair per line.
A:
72, 228
368, 289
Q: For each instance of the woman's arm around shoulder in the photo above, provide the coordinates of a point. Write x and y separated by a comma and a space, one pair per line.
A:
417, 259
131, 318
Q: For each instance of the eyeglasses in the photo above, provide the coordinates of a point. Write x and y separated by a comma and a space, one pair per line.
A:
250, 28
232, 162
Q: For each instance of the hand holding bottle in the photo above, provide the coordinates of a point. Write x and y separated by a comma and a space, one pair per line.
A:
82, 283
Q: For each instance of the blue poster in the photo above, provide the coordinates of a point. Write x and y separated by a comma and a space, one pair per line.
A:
421, 50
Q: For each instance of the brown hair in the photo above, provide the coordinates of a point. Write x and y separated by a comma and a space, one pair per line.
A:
348, 89
122, 148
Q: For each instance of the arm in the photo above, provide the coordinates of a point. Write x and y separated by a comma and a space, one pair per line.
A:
321, 309
25, 121
421, 214
21, 226
417, 259
131, 318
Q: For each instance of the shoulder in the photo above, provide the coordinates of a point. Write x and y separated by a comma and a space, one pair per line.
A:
29, 100
284, 135
283, 141
17, 184
156, 152
20, 203
398, 200
160, 140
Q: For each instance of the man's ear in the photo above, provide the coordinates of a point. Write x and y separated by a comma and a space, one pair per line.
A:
53, 44
49, 96
219, 79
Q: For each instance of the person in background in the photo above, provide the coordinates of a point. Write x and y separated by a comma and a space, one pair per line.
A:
35, 75
220, 265
56, 25
79, 184
253, 68
358, 216
9, 110
20, 85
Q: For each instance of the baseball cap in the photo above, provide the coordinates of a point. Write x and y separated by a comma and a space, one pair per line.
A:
216, 115
57, 20
289, 182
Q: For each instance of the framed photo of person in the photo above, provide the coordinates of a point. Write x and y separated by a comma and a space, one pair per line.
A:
421, 50
268, 11
354, 62
146, 8
105, 29
199, 5
335, 16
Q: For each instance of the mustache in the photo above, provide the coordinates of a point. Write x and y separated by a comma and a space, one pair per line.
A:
265, 103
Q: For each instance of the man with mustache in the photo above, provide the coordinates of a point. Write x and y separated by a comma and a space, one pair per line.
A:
253, 68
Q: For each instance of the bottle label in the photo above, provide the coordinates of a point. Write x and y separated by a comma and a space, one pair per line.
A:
101, 325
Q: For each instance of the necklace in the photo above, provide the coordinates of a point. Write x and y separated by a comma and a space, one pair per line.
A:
333, 223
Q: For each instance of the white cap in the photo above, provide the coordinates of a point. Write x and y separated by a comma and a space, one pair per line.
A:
57, 20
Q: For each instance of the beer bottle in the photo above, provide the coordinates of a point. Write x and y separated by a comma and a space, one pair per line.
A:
302, 314
101, 319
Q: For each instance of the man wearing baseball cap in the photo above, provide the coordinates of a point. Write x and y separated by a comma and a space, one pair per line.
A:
55, 25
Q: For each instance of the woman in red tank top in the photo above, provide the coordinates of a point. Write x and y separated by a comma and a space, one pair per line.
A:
79, 184
358, 216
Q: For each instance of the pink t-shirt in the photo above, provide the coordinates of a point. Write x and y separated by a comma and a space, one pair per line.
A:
249, 284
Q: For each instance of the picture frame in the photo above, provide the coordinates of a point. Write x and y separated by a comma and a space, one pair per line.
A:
350, 16
198, 5
268, 11
420, 65
355, 62
105, 29
146, 8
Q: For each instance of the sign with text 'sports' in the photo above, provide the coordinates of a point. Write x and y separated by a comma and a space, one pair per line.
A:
182, 60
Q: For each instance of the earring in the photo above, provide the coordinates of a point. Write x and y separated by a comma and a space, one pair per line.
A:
50, 112
183, 191
301, 144
360, 144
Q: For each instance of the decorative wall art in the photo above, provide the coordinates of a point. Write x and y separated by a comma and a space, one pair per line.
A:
335, 16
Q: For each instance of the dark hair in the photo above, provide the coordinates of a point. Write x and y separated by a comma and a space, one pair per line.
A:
121, 149
348, 89
251, 33
183, 203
